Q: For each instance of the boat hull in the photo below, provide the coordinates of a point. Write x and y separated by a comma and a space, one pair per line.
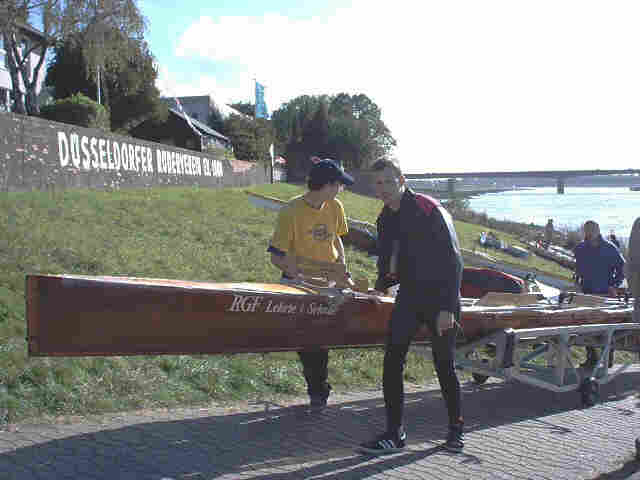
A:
83, 315
557, 254
70, 316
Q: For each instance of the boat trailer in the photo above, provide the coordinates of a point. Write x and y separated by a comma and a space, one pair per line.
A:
542, 356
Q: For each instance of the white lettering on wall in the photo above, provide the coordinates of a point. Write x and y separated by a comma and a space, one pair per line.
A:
149, 159
110, 164
95, 161
102, 148
116, 156
105, 154
75, 149
125, 156
86, 160
63, 149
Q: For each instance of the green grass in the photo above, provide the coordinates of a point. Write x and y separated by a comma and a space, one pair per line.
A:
186, 233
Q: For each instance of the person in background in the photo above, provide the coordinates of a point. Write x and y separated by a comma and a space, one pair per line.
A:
310, 226
632, 268
417, 248
599, 270
632, 273
613, 239
548, 233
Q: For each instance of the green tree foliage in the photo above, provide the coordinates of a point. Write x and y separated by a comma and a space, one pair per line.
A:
216, 121
94, 20
79, 110
316, 131
348, 127
250, 138
127, 88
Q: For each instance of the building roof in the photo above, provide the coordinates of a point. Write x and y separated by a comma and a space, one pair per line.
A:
201, 127
224, 109
28, 28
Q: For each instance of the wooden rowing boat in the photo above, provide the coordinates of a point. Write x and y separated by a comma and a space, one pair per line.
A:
72, 315
489, 240
555, 253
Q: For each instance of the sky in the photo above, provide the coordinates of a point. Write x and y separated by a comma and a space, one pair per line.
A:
478, 85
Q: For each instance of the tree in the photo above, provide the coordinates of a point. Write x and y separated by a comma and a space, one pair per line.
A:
290, 119
60, 19
316, 132
362, 117
250, 138
348, 127
216, 120
127, 88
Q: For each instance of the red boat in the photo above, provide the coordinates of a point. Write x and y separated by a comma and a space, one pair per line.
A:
477, 282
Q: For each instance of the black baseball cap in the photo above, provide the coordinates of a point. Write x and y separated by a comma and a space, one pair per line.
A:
327, 171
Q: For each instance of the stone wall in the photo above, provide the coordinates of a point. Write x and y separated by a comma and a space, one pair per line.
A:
37, 154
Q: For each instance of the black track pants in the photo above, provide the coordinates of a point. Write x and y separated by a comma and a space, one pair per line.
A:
315, 367
405, 321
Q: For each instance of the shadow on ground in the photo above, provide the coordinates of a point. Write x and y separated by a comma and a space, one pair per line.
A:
624, 472
292, 442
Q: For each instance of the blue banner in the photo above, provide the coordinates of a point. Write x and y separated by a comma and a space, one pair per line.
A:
261, 106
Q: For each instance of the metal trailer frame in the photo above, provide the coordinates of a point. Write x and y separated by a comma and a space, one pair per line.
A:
541, 356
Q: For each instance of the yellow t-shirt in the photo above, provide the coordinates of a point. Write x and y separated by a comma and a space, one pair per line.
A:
310, 232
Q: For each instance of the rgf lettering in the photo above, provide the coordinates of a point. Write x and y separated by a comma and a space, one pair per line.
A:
245, 303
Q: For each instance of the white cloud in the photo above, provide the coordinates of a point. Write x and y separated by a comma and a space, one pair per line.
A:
171, 86
462, 84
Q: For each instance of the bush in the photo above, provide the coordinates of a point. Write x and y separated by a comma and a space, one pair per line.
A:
219, 152
78, 110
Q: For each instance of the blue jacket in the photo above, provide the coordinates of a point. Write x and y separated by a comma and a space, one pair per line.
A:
598, 268
422, 238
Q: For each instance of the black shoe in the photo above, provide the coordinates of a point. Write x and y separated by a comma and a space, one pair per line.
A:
385, 444
455, 439
318, 401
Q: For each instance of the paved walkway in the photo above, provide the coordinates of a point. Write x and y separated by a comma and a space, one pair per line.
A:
515, 431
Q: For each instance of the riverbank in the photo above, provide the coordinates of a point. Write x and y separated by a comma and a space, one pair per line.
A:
614, 209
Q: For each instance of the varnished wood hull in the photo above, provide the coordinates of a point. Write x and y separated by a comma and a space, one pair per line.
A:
565, 260
79, 316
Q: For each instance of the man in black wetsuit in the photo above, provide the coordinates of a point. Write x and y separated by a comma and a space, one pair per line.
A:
418, 248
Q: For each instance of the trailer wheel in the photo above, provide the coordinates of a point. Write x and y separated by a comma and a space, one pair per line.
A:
589, 392
478, 378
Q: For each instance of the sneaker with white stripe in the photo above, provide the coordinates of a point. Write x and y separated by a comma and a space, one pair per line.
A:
385, 444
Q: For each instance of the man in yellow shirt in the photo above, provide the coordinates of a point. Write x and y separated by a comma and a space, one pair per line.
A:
310, 226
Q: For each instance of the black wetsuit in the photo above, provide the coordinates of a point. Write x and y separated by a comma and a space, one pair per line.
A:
420, 239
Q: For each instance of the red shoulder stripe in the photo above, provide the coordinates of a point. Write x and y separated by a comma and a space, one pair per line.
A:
426, 203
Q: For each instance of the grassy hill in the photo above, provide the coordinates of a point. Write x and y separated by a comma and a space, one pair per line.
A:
186, 233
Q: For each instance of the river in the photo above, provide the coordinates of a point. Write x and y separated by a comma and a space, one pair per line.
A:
614, 208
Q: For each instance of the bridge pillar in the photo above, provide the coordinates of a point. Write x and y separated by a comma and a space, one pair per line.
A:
560, 185
451, 186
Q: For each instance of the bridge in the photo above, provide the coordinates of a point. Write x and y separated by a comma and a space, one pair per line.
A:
559, 175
